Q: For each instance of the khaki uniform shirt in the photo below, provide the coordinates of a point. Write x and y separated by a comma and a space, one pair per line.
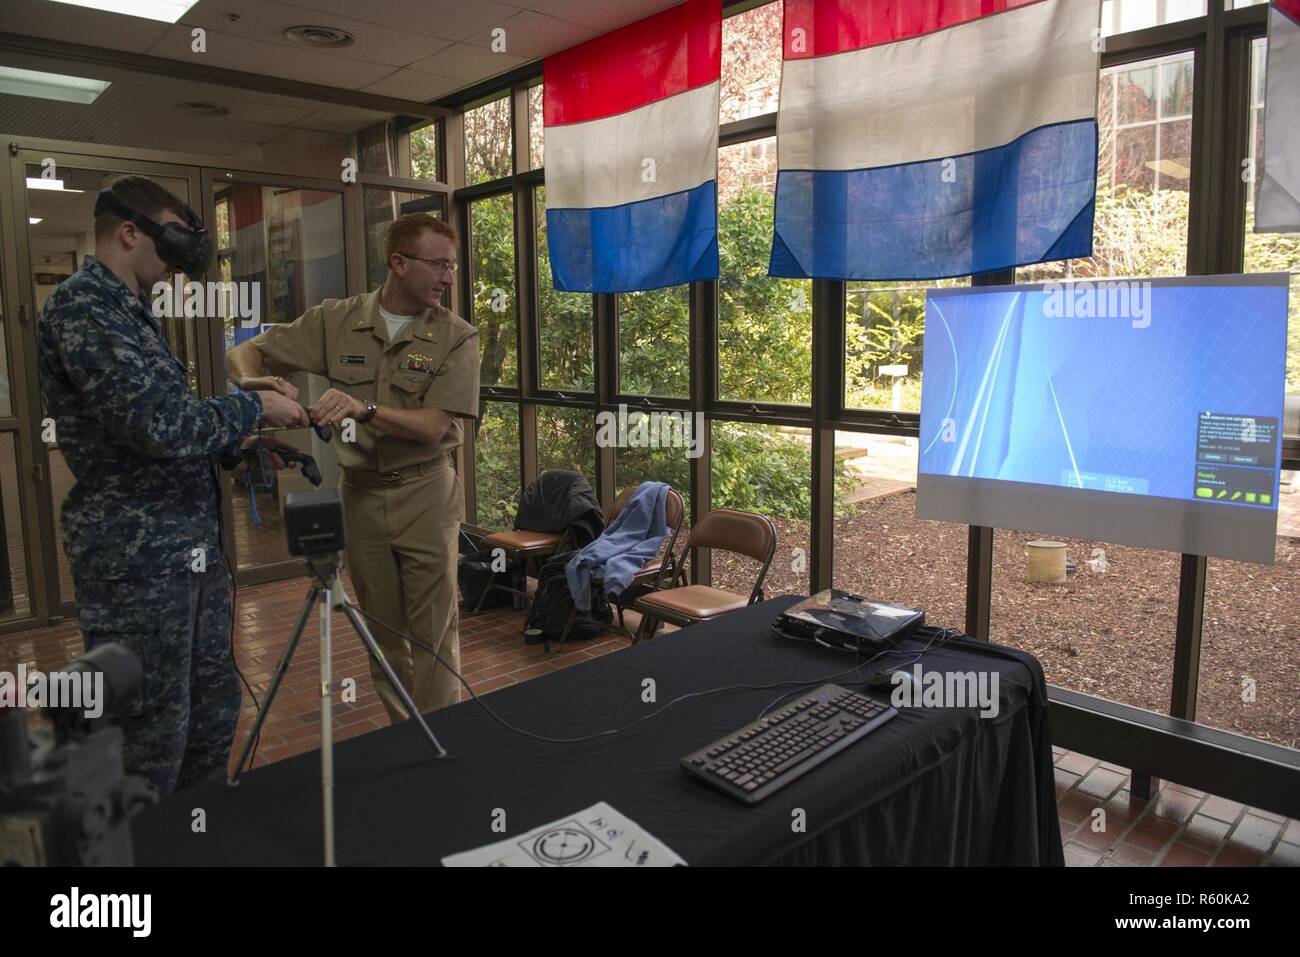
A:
432, 364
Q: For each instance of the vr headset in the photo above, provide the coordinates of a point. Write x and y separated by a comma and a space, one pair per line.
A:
187, 248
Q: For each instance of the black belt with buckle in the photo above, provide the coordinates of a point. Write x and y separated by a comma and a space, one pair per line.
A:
393, 477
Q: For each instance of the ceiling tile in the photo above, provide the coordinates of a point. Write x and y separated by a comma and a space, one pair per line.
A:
602, 17
341, 119
255, 56
59, 21
467, 63
531, 35
454, 19
140, 115
411, 84
266, 21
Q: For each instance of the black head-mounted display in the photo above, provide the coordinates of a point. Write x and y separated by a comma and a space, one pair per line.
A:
187, 248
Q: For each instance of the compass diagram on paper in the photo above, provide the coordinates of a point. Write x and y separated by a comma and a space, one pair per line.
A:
598, 837
564, 845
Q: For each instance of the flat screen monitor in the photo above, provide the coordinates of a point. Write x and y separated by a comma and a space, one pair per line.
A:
1138, 412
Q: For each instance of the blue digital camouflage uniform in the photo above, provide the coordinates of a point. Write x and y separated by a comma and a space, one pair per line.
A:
142, 449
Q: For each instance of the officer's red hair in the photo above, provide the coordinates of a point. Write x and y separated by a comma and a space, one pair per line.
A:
405, 230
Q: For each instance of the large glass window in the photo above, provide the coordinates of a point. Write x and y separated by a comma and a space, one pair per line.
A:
565, 322
566, 439
423, 146
764, 324
377, 149
1121, 16
751, 63
882, 550
884, 344
654, 331
496, 466
536, 124
641, 462
492, 286
1108, 629
765, 469
488, 139
1143, 175
1252, 612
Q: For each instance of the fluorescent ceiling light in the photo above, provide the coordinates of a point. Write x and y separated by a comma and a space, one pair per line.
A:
33, 220
168, 11
40, 182
50, 86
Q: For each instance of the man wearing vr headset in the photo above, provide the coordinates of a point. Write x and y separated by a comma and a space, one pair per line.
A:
141, 524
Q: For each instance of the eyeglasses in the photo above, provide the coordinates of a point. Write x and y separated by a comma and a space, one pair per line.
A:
438, 265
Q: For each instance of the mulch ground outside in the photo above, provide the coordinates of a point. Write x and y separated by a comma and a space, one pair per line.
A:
1106, 633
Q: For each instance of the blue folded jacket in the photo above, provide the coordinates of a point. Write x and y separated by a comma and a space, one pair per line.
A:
622, 549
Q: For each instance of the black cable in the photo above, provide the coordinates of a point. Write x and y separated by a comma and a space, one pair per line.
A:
599, 734
234, 604
943, 635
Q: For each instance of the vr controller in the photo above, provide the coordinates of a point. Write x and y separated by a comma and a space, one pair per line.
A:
310, 470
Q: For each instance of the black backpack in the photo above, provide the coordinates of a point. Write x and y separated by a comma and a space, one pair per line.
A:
475, 574
552, 605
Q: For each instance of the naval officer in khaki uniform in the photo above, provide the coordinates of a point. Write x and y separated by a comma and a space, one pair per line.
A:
406, 371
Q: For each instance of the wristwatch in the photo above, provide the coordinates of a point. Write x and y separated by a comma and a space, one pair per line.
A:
371, 408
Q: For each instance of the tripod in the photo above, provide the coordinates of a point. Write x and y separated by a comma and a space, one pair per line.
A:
324, 572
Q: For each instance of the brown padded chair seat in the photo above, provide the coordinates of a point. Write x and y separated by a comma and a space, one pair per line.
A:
726, 529
524, 541
693, 601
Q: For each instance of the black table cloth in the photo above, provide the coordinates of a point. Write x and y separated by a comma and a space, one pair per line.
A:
931, 786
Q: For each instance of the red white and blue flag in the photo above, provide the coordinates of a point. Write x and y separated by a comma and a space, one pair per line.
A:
631, 153
1277, 204
920, 139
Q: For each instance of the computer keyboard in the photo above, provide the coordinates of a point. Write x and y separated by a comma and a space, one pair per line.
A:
766, 755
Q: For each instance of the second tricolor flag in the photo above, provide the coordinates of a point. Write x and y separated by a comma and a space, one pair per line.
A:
920, 140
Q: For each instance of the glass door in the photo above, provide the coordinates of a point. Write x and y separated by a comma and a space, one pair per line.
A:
16, 599
281, 243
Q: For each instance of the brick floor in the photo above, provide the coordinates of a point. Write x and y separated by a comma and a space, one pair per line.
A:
1102, 824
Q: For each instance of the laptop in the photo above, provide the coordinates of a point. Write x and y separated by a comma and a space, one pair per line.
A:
848, 622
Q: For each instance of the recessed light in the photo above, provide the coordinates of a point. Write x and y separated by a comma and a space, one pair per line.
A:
168, 11
50, 86
33, 220
317, 36
202, 108
40, 182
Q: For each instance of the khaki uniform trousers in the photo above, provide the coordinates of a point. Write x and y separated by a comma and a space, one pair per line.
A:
402, 557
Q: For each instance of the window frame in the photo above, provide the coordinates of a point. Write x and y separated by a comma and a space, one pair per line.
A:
1220, 42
